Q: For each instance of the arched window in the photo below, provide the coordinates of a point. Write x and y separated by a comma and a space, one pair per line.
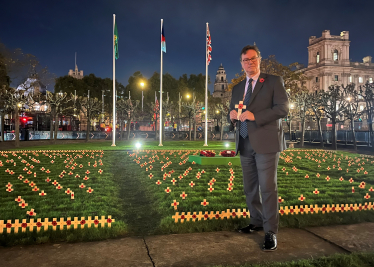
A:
221, 79
336, 55
317, 59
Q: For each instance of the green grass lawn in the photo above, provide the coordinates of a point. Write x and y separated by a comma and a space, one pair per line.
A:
45, 182
332, 186
140, 205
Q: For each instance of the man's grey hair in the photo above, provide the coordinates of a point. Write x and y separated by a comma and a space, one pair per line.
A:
250, 47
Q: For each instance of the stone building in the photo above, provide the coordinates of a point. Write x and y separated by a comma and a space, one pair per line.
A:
221, 85
75, 73
329, 63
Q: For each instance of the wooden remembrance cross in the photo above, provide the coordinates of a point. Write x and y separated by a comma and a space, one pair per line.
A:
240, 107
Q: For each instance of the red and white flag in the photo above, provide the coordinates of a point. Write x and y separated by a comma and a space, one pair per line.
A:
208, 46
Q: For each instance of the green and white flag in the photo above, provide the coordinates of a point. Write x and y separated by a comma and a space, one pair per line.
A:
116, 41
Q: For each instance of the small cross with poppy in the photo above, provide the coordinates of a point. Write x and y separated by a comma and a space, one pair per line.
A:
175, 204
204, 203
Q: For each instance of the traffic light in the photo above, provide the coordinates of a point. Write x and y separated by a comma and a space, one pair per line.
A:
202, 108
23, 121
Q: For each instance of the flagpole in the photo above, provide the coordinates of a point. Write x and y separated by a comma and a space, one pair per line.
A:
114, 88
206, 87
160, 144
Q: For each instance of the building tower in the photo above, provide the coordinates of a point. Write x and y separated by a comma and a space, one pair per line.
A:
220, 84
329, 63
75, 73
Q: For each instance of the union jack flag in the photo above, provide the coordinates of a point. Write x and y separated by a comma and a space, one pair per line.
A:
208, 46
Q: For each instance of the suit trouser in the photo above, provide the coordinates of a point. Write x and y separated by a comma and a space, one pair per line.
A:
260, 185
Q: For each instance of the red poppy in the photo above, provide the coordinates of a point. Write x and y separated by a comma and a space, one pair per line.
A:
262, 80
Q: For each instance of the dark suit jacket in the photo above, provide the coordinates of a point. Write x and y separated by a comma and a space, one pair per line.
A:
268, 103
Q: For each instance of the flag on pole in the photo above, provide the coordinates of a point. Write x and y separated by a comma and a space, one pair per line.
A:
208, 46
116, 41
163, 42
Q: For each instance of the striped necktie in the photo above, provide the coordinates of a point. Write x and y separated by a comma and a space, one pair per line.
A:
243, 125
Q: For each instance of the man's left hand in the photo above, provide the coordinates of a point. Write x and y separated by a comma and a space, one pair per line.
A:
247, 115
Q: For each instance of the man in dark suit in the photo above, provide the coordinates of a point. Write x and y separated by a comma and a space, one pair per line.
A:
259, 139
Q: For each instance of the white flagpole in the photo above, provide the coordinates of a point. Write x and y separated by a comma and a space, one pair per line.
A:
160, 144
114, 88
206, 87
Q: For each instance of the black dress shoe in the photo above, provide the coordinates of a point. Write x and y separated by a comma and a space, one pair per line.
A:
250, 229
270, 242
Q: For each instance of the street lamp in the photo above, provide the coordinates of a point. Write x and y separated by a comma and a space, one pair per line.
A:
142, 85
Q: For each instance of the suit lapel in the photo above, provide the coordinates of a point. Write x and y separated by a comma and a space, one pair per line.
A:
257, 87
242, 90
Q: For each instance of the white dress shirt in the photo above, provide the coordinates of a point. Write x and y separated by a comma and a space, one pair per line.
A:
255, 78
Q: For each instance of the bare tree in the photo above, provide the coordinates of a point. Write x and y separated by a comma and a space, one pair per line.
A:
156, 114
3, 90
302, 107
57, 105
14, 100
333, 104
190, 109
292, 113
315, 110
352, 108
90, 107
126, 110
367, 93
220, 113
167, 107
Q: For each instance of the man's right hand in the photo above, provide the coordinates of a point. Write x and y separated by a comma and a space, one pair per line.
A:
233, 116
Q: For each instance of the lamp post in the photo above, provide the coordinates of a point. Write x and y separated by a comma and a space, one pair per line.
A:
142, 86
349, 111
192, 109
179, 111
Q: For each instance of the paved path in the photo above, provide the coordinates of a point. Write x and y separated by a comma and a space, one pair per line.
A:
197, 249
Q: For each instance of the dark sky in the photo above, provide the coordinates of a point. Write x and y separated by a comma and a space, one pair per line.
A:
54, 30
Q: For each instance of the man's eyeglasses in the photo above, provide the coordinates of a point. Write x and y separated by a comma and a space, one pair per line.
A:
247, 60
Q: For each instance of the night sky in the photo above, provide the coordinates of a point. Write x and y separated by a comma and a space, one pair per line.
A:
53, 32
